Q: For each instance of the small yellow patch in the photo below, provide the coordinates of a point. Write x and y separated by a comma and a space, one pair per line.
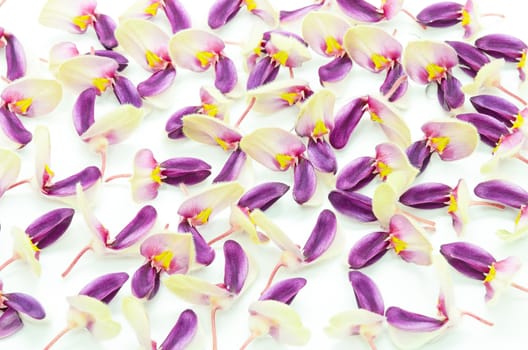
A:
281, 57
379, 61
33, 246
250, 4
383, 169
435, 71
398, 244
152, 9
375, 118
284, 160
522, 61
496, 148
205, 58
518, 217
290, 97
440, 143
333, 47
153, 60
519, 121
101, 84
226, 146
210, 109
453, 204
82, 21
202, 217
466, 18
319, 129
23, 105
257, 50
163, 259
48, 171
155, 175
490, 276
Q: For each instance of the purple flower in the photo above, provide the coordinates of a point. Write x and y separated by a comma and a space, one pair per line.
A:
15, 55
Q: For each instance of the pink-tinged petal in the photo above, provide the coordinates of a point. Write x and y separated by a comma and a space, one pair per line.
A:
105, 287
409, 242
145, 281
47, 228
356, 322
59, 53
470, 20
222, 12
322, 156
367, 294
183, 333
178, 17
9, 169
352, 204
275, 148
157, 83
450, 93
146, 42
391, 8
263, 196
82, 72
262, 73
13, 128
236, 267
322, 236
324, 32
142, 9
368, 250
459, 202
500, 276
84, 110
263, 10
372, 48
452, 140
170, 252
72, 16
121, 60
508, 146
126, 92
394, 167
43, 173
277, 95
138, 228
468, 259
105, 27
335, 70
384, 204
93, 223
316, 116
195, 49
390, 122
292, 15
232, 167
429, 195
183, 170
211, 131
304, 181
25, 304
174, 126
489, 128
146, 177
505, 192
419, 154
393, 82
284, 291
196, 291
441, 14
214, 103
356, 174
287, 50
92, 314
10, 323
427, 61
199, 207
346, 121
87, 178
361, 10
15, 58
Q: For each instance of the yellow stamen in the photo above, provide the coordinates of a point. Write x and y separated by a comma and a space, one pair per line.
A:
522, 61
48, 171
210, 109
164, 258
440, 143
202, 217
153, 60
281, 57
490, 276
333, 47
383, 169
519, 121
33, 246
496, 148
398, 244
152, 9
320, 129
290, 97
155, 175
466, 18
101, 83
226, 146
251, 5
453, 204
82, 21
379, 61
258, 50
518, 217
435, 71
23, 105
375, 118
284, 161
205, 57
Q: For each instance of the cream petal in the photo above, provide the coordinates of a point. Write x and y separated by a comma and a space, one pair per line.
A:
197, 291
59, 53
242, 222
394, 167
418, 57
60, 14
384, 204
324, 32
287, 50
43, 173
136, 315
195, 49
264, 10
279, 94
211, 131
411, 244
390, 122
79, 73
25, 250
355, 322
141, 9
9, 169
316, 115
32, 97
487, 76
95, 314
452, 139
413, 340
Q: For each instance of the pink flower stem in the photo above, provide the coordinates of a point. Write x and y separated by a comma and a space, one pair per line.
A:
56, 338
291, 73
184, 189
413, 18
76, 259
500, 15
395, 86
117, 176
103, 162
488, 204
521, 158
418, 218
248, 341
519, 287
478, 318
370, 341
246, 111
511, 94
272, 276
9, 261
21, 182
2, 2
213, 327
222, 236
5, 79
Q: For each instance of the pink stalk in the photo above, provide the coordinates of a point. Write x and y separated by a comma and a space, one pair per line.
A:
56, 338
117, 176
521, 158
395, 86
76, 259
103, 161
519, 287
272, 275
370, 341
214, 309
248, 341
413, 17
222, 236
291, 73
478, 318
511, 94
246, 111
9, 261
21, 182
487, 204
418, 218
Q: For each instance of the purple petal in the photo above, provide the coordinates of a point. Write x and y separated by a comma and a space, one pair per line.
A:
356, 174
346, 121
368, 249
304, 181
322, 236
360, 10
174, 126
185, 170
204, 253
495, 106
367, 294
450, 93
225, 75
470, 58
49, 227
177, 15
354, 205
66, 187
121, 60
502, 46
284, 291
505, 192
264, 71
13, 127
236, 266
440, 15
322, 156
15, 58
489, 128
105, 287
419, 154
232, 167
157, 82
136, 229
335, 70
84, 110
222, 12
183, 332
145, 282
430, 195
10, 323
104, 28
25, 304
287, 16
263, 196
394, 74
126, 92
412, 322
468, 259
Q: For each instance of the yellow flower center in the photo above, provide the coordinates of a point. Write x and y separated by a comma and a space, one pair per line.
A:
320, 129
375, 118
453, 204
290, 97
48, 171
205, 58
398, 244
82, 21
518, 217
466, 18
101, 84
522, 61
225, 145
33, 245
163, 259
23, 105
435, 71
152, 9
250, 4
210, 109
153, 60
155, 175
284, 160
440, 143
519, 121
281, 57
202, 217
379, 61
490, 276
383, 169
333, 47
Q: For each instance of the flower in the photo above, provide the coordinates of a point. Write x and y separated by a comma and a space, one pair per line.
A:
363, 11
505, 46
174, 10
446, 14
